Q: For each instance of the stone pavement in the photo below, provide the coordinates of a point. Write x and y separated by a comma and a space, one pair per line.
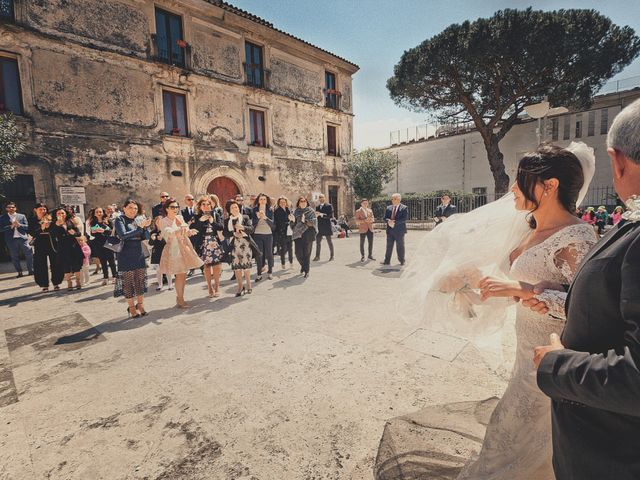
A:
295, 381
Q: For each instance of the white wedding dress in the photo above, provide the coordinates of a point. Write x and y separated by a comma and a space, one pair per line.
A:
517, 443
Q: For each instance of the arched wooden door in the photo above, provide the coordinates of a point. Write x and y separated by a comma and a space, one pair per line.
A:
224, 188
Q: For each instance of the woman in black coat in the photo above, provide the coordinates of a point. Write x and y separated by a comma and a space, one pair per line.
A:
238, 227
208, 223
283, 218
65, 232
101, 228
44, 247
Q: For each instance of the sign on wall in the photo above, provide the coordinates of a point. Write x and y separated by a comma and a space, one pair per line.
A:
74, 197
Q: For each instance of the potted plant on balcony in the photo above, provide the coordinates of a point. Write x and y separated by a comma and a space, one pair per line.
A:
175, 131
181, 43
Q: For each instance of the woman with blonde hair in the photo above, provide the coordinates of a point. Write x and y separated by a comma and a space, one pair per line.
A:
215, 202
209, 226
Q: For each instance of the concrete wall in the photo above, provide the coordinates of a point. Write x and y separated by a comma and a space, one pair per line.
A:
93, 113
459, 162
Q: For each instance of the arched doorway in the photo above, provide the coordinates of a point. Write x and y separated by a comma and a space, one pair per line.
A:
224, 188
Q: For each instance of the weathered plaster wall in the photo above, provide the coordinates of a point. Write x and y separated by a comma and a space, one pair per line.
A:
109, 22
295, 81
298, 130
73, 85
216, 54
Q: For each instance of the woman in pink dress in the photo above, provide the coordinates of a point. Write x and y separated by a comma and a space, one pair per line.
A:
617, 215
178, 255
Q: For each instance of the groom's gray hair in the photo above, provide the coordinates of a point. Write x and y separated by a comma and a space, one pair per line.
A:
624, 134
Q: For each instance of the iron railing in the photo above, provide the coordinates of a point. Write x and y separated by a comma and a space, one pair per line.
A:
178, 55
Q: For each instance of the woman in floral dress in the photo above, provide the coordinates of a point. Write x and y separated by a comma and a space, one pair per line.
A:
208, 223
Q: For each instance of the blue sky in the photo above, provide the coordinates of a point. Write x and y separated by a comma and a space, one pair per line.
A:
375, 33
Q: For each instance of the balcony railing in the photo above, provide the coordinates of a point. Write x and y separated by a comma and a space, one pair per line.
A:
332, 98
256, 75
178, 55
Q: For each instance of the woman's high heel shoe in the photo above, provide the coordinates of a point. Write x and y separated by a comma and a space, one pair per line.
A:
239, 294
132, 315
141, 309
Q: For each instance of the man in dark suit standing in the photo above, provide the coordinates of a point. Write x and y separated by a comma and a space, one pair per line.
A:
396, 219
189, 215
592, 373
14, 227
444, 210
156, 210
324, 212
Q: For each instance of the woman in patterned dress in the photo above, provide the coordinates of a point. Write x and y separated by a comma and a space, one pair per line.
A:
238, 227
178, 255
209, 226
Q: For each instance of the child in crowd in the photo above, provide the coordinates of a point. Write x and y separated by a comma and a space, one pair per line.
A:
86, 252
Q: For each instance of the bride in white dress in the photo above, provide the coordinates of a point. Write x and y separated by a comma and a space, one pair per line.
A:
517, 443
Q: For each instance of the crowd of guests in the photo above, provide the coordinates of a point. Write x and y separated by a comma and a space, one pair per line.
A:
178, 240
600, 217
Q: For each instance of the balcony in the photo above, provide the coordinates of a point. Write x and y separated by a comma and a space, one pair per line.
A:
256, 75
178, 55
332, 98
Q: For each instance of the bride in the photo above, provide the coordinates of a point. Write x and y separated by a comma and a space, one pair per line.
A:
512, 251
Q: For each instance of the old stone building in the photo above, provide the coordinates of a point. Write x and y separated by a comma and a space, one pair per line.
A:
456, 160
132, 97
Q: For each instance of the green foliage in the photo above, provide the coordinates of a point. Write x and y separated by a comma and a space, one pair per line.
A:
11, 146
487, 70
369, 171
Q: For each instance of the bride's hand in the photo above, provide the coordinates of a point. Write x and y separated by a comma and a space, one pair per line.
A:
495, 287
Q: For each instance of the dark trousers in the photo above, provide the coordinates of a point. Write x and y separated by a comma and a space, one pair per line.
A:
369, 237
265, 244
40, 270
398, 239
17, 245
319, 244
285, 245
107, 259
304, 246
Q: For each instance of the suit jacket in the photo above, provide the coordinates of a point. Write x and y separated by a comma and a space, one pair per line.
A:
442, 211
363, 225
187, 215
400, 227
156, 210
8, 230
595, 381
324, 223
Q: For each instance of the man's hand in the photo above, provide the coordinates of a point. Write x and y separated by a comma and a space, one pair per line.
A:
540, 352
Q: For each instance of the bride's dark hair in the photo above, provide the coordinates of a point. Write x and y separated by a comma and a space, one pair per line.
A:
550, 161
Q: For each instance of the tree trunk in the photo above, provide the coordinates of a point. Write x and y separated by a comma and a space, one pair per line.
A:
496, 163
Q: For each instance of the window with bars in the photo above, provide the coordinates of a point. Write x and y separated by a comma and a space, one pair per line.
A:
175, 113
591, 124
10, 94
256, 127
6, 10
332, 143
555, 128
254, 65
332, 95
604, 121
578, 126
566, 127
169, 41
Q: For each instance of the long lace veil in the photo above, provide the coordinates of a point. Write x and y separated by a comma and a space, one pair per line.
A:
438, 289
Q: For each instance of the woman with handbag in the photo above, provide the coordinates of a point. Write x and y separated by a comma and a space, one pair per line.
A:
209, 226
283, 235
131, 229
305, 229
263, 226
100, 228
44, 247
178, 255
65, 230
237, 228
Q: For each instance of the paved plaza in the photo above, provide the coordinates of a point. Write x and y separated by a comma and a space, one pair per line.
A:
295, 381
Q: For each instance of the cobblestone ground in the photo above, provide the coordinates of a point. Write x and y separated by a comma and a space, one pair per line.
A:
295, 381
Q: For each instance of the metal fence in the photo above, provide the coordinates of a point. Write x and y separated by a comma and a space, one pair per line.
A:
422, 208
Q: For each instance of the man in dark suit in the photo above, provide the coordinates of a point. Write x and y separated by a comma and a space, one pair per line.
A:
324, 212
444, 210
396, 219
156, 210
14, 226
189, 211
245, 209
592, 373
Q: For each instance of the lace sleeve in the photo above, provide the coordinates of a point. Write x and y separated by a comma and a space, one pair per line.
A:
566, 260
